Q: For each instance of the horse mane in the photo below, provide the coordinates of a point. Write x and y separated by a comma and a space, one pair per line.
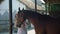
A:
36, 15
32, 14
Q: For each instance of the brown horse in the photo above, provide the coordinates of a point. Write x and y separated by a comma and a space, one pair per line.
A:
43, 24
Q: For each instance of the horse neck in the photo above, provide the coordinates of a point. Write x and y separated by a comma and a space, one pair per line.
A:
36, 24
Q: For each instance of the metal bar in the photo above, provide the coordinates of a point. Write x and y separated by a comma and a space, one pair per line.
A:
36, 5
10, 16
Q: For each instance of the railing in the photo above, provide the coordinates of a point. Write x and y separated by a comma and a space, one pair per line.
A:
4, 25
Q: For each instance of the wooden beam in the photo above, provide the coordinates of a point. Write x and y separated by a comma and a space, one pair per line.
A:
28, 6
31, 4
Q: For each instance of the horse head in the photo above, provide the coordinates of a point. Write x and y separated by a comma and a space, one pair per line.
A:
19, 18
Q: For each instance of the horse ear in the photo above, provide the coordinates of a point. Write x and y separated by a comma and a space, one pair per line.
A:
19, 9
23, 9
